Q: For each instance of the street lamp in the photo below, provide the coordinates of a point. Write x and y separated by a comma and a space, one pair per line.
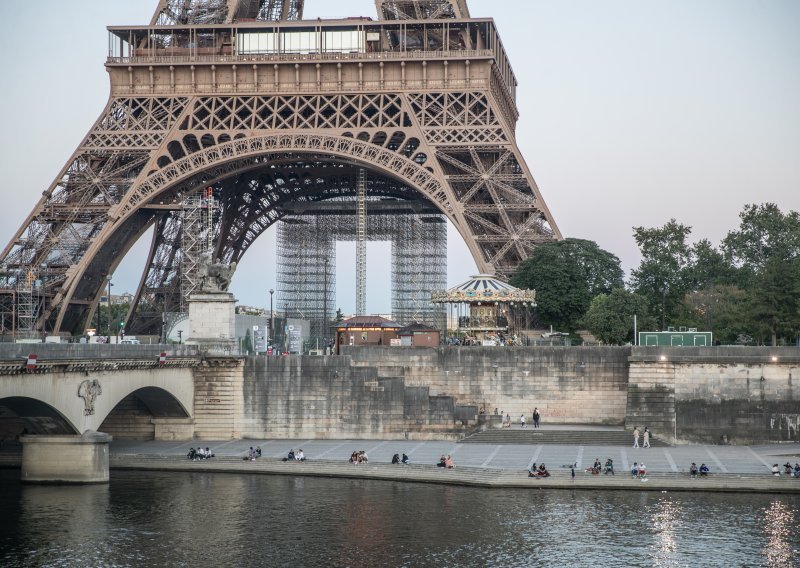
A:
108, 278
325, 309
271, 336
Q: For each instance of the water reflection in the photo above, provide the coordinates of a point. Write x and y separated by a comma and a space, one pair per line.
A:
778, 530
665, 523
164, 519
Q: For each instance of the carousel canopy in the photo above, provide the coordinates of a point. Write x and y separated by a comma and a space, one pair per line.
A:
483, 288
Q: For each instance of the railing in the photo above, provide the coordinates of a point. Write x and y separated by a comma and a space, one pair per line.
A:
297, 57
268, 86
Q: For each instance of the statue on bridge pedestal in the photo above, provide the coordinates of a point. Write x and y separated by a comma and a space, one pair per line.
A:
214, 276
89, 391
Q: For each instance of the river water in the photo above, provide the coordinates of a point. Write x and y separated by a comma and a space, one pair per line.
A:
197, 519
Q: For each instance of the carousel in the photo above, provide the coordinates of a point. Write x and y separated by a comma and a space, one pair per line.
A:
483, 304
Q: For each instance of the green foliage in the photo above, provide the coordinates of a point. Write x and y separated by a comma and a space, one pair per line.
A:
749, 286
339, 316
719, 308
104, 326
661, 277
610, 316
566, 276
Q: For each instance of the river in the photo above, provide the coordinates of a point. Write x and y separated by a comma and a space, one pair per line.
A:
198, 519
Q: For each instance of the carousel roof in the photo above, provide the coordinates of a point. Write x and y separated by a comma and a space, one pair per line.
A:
483, 288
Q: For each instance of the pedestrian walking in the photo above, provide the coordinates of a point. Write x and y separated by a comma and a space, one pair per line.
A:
535, 417
646, 438
522, 420
635, 436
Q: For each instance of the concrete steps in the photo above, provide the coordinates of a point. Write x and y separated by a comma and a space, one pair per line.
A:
569, 437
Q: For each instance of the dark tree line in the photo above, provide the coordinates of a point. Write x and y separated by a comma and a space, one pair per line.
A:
746, 290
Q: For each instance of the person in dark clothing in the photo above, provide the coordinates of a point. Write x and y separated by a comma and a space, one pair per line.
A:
395, 459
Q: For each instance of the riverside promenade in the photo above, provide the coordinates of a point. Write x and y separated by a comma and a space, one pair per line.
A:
489, 465
733, 468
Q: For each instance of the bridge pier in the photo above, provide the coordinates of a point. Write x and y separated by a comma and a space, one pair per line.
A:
65, 459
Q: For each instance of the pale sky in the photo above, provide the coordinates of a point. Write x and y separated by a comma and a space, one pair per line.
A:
631, 112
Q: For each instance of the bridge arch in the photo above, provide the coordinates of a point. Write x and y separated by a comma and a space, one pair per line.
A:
166, 393
132, 417
20, 415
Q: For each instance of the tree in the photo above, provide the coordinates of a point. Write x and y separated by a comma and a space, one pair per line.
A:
719, 308
610, 316
566, 276
662, 276
339, 316
774, 300
766, 252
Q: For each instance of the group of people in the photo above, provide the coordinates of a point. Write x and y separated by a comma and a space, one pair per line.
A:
505, 419
639, 470
291, 456
253, 453
396, 459
702, 471
645, 437
446, 462
538, 472
597, 467
358, 456
787, 470
199, 454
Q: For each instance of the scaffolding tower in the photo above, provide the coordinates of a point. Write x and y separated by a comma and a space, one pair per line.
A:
197, 239
27, 304
361, 243
306, 263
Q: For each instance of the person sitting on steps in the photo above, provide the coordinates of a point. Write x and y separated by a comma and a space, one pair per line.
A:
704, 470
609, 467
396, 459
404, 459
693, 470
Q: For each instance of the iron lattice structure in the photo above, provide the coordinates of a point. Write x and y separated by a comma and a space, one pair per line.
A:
270, 114
306, 271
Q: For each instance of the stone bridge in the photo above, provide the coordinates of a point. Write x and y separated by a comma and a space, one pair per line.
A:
124, 390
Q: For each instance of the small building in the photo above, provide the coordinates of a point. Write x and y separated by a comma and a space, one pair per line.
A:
419, 335
366, 330
672, 338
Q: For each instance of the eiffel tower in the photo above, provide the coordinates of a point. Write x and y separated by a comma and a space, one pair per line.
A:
270, 111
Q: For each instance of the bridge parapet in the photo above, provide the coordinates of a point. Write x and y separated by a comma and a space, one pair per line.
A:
71, 358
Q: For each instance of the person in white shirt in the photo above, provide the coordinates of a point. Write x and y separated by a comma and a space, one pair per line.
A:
522, 420
300, 456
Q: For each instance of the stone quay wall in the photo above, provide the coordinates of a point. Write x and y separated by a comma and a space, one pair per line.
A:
717, 395
569, 385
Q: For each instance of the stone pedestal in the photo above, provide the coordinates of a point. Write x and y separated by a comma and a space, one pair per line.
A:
211, 322
65, 459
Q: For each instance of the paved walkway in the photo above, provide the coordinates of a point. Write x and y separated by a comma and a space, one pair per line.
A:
750, 460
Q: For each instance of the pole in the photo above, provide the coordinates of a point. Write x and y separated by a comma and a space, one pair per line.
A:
635, 335
271, 332
325, 308
109, 307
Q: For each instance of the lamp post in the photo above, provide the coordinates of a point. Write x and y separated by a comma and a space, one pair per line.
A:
108, 278
325, 309
271, 336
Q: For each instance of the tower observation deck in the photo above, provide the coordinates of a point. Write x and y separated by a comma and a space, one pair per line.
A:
269, 111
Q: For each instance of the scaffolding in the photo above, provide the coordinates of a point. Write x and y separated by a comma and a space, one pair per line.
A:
27, 304
306, 263
361, 243
197, 239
